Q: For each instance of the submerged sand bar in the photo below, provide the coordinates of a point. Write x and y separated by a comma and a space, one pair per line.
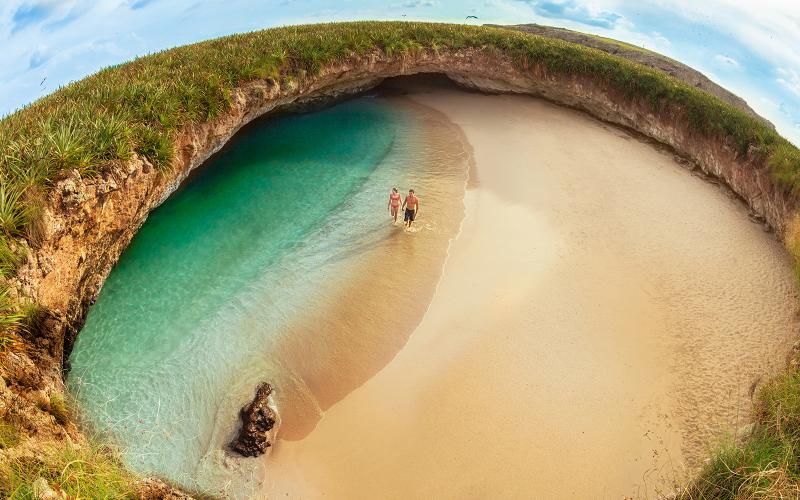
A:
601, 316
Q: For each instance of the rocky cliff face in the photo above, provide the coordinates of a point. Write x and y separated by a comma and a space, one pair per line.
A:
89, 222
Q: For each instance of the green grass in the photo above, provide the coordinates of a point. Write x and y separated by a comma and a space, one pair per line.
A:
11, 319
80, 473
762, 467
621, 44
9, 436
32, 318
10, 257
766, 464
58, 408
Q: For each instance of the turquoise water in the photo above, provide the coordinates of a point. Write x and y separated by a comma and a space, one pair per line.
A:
184, 326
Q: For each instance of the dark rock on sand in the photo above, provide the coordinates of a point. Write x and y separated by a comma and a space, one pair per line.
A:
258, 418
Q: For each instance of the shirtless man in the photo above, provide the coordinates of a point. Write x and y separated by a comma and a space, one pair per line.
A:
411, 206
394, 203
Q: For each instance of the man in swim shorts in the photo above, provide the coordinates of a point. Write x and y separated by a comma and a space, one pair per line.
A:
394, 203
411, 205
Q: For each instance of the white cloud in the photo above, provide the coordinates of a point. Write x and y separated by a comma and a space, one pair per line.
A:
583, 13
40, 56
727, 61
660, 39
768, 102
790, 79
413, 4
770, 28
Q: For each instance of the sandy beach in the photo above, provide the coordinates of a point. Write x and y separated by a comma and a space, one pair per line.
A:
600, 319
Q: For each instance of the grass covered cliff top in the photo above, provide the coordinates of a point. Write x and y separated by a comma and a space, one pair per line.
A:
138, 107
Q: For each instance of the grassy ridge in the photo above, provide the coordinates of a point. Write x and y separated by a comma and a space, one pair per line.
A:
70, 471
766, 464
138, 107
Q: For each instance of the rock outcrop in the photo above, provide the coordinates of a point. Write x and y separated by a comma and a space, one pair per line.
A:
155, 489
258, 423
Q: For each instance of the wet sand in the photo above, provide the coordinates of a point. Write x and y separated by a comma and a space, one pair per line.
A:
366, 314
600, 319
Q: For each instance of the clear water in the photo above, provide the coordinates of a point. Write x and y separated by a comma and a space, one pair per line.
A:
185, 324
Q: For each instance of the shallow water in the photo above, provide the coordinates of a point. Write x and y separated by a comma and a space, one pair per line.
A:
217, 289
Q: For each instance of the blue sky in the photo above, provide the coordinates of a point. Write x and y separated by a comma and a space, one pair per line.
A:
749, 47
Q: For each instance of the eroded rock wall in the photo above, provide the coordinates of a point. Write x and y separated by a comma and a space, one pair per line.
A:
88, 223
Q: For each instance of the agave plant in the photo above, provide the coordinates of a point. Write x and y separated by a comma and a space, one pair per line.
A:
14, 214
66, 143
9, 257
25, 162
110, 137
155, 145
10, 317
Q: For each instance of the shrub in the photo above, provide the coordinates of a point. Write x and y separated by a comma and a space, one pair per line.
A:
58, 408
14, 215
9, 436
85, 472
10, 257
10, 317
766, 464
763, 467
155, 145
33, 316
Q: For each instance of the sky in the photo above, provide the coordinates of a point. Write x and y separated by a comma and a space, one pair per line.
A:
749, 47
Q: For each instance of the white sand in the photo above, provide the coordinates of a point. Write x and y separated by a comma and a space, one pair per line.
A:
601, 316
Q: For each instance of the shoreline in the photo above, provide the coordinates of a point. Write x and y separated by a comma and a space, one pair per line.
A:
346, 333
340, 363
313, 321
454, 371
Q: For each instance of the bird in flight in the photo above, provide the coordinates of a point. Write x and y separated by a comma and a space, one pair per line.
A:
42, 82
472, 17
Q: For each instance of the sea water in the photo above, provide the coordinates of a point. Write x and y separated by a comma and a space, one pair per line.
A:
189, 320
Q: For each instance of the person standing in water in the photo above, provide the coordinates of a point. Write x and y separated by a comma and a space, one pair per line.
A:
411, 206
394, 203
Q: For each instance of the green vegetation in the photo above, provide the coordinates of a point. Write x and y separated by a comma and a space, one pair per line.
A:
80, 473
11, 319
767, 463
138, 107
58, 408
621, 44
9, 436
